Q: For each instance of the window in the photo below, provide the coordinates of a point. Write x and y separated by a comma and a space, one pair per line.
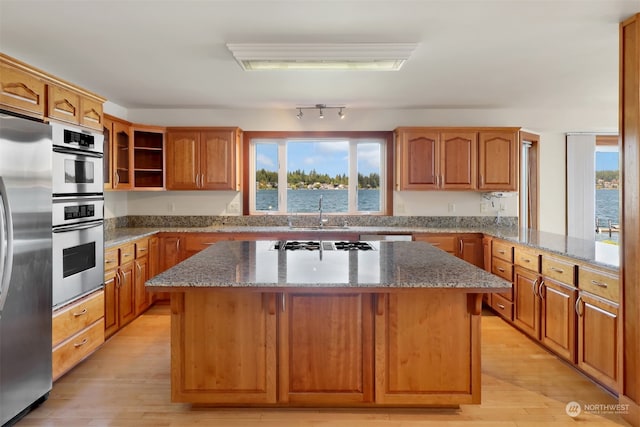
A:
291, 173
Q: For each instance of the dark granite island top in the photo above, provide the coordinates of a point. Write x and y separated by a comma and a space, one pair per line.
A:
259, 265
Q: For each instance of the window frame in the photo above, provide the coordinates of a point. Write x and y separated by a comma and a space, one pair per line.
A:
386, 169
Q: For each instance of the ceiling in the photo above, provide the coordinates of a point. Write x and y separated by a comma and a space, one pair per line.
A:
471, 54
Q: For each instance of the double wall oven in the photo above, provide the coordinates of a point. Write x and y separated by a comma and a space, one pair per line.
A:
77, 214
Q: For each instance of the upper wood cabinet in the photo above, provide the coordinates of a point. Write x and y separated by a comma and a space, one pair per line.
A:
456, 159
432, 160
148, 157
118, 154
27, 90
21, 91
498, 160
203, 159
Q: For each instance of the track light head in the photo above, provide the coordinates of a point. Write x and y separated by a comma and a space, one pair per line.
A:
321, 108
341, 114
299, 115
321, 113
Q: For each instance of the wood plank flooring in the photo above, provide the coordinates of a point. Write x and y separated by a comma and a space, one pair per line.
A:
126, 383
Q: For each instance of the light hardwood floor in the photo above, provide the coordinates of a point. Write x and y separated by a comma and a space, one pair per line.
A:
126, 383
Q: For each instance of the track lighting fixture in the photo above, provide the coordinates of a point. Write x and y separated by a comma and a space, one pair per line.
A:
321, 108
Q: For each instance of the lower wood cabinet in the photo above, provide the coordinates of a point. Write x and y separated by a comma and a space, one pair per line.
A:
526, 312
224, 347
78, 330
468, 247
557, 318
326, 348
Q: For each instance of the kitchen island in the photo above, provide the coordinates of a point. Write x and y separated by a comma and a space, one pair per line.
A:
255, 324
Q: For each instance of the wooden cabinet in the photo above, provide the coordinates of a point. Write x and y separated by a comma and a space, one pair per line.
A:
498, 156
29, 91
483, 159
78, 330
598, 339
557, 317
526, 311
502, 265
203, 159
148, 158
430, 159
326, 348
171, 250
420, 354
107, 148
122, 156
70, 106
120, 307
465, 246
22, 92
142, 297
224, 346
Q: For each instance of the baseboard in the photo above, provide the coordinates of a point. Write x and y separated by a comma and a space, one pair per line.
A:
632, 414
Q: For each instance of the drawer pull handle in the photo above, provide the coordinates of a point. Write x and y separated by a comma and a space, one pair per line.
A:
557, 270
501, 252
577, 306
526, 260
142, 249
501, 270
109, 261
435, 244
501, 307
600, 284
81, 343
80, 313
126, 255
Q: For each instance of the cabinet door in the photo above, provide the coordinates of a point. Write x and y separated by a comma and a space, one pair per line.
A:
126, 294
421, 356
140, 275
122, 155
223, 347
217, 160
526, 310
419, 160
458, 161
171, 252
91, 113
598, 324
63, 104
498, 161
183, 161
110, 303
154, 256
21, 91
107, 147
326, 348
558, 318
471, 250
486, 253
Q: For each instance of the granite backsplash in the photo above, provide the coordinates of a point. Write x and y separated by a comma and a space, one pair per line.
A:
311, 220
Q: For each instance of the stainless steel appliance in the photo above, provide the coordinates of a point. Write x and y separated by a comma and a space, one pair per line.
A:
78, 247
77, 161
25, 265
78, 213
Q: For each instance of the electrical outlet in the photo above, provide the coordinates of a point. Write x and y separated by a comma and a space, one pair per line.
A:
400, 208
484, 207
452, 207
503, 206
172, 207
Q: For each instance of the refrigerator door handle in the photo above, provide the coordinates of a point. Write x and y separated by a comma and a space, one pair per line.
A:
6, 245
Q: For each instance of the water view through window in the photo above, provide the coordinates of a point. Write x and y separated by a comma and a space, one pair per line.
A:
295, 173
607, 188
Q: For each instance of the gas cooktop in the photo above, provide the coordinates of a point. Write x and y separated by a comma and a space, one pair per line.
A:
315, 245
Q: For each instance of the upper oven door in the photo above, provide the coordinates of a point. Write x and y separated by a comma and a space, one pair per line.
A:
76, 173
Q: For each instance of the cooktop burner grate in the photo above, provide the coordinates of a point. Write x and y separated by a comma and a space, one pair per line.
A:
314, 245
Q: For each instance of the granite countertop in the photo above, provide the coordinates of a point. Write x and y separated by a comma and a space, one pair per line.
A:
589, 251
391, 265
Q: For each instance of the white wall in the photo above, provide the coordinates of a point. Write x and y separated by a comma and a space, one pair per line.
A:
552, 125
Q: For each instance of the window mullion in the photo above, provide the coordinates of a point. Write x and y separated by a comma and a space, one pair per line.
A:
353, 177
282, 176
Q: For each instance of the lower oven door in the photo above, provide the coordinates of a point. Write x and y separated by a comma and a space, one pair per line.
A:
78, 260
76, 172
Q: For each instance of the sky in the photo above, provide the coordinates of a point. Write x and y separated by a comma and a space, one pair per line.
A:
607, 161
330, 157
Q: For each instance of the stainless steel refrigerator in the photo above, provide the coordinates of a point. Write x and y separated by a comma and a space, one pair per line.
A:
25, 265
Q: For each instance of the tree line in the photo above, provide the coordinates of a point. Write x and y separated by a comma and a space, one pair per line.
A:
608, 175
302, 179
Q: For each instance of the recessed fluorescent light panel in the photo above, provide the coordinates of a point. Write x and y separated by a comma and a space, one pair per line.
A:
332, 56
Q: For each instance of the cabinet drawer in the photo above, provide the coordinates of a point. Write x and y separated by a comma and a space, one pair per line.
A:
502, 250
142, 248
446, 243
127, 253
558, 269
197, 242
502, 268
111, 260
72, 319
76, 348
526, 258
502, 306
599, 282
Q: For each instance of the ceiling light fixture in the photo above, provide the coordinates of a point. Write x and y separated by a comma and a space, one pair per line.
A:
321, 108
322, 56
